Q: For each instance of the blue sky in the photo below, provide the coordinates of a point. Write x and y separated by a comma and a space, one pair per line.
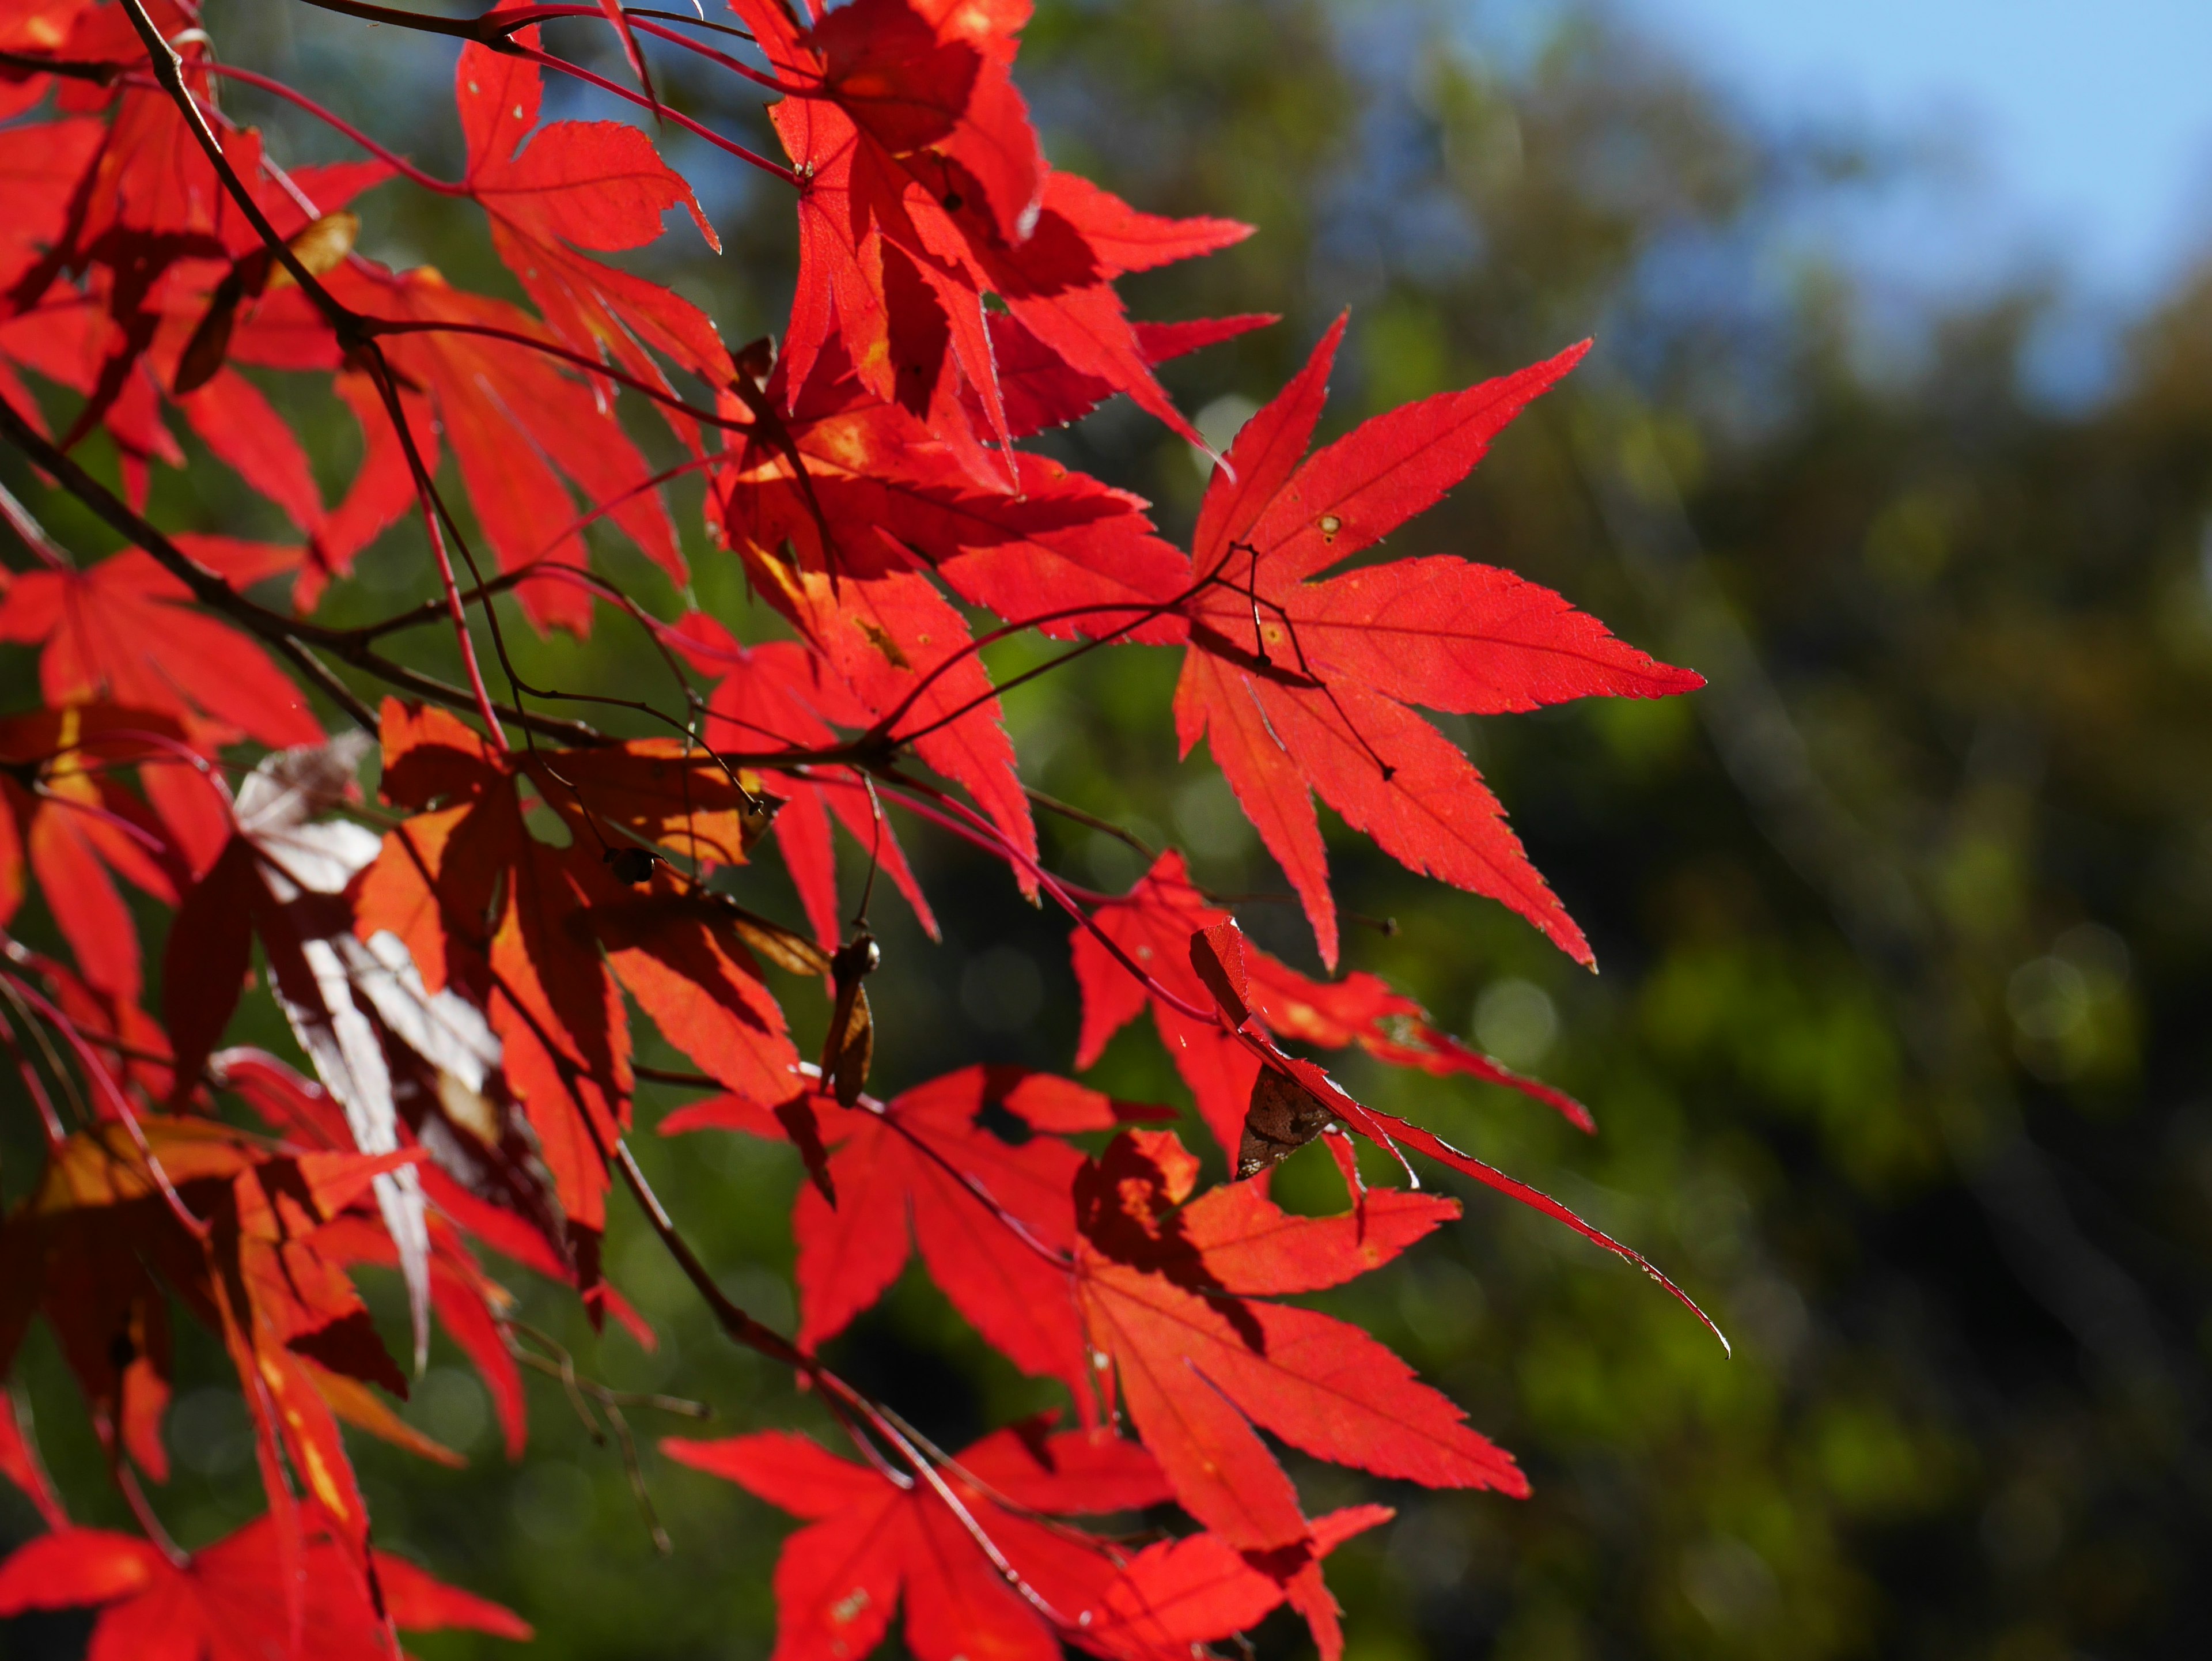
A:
2078, 133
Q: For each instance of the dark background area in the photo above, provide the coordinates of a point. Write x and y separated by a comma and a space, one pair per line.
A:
1898, 1050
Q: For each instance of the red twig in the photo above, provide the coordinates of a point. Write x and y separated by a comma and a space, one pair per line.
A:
330, 118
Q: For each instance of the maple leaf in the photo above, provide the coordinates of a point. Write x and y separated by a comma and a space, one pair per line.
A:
230, 301
477, 899
830, 509
1293, 1101
130, 1207
898, 246
913, 98
279, 878
447, 1088
870, 1543
175, 297
479, 902
200, 312
1168, 1289
123, 631
1040, 390
859, 484
471, 1308
64, 814
468, 1302
970, 1168
1176, 1594
1153, 924
482, 1177
519, 423
897, 644
38, 178
780, 693
1300, 683
106, 1023
235, 1599
571, 186
39, 29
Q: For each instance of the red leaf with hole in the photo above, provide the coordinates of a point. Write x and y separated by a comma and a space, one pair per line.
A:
1167, 1290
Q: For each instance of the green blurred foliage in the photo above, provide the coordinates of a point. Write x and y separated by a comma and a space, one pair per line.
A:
1902, 921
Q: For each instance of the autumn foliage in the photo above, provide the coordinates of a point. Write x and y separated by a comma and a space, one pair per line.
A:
463, 957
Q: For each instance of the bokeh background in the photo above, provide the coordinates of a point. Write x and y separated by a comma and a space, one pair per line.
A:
1899, 429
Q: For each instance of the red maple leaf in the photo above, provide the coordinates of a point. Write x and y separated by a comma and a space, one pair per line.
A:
1153, 924
33, 28
250, 1595
135, 1205
520, 425
69, 820
778, 693
870, 1543
1308, 1101
1301, 683
124, 631
970, 1167
1040, 389
859, 485
898, 645
244, 308
1169, 1291
901, 232
573, 186
38, 178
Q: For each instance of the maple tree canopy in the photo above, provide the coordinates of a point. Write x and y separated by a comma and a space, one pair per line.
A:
463, 951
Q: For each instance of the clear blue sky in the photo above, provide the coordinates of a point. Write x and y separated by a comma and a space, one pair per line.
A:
2091, 119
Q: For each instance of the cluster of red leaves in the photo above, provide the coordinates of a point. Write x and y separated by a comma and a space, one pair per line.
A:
462, 977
